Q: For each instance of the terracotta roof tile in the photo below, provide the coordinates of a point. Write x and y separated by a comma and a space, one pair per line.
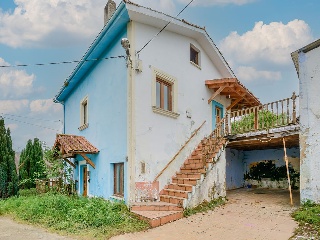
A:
72, 144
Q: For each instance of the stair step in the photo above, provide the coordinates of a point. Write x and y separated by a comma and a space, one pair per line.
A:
154, 206
201, 170
158, 218
182, 187
172, 199
189, 181
192, 160
192, 166
175, 192
188, 175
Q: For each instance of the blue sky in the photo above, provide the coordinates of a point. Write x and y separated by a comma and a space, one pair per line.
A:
255, 36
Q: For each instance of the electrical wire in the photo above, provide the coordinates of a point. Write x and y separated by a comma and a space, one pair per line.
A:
55, 130
156, 35
40, 119
64, 62
94, 59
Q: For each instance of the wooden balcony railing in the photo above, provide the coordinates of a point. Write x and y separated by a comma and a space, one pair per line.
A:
271, 115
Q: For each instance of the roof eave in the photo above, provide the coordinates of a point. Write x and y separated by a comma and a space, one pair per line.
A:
305, 49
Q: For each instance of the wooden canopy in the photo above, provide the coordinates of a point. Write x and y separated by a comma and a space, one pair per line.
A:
240, 96
71, 145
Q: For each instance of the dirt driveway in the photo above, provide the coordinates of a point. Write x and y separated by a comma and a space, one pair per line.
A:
249, 214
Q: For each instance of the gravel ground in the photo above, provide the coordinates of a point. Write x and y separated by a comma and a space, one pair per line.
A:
249, 214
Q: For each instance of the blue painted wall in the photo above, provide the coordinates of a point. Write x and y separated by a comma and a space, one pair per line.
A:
214, 105
235, 168
276, 155
238, 162
106, 87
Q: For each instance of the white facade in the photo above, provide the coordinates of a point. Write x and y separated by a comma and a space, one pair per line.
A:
307, 62
158, 137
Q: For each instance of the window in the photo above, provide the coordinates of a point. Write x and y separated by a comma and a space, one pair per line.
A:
164, 94
118, 186
194, 55
84, 123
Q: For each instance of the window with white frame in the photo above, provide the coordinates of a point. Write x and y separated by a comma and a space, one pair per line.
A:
84, 123
194, 55
164, 91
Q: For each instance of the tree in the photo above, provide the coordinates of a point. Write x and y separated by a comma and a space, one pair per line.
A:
8, 171
31, 165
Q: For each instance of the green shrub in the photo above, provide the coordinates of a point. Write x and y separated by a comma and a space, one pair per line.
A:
73, 214
267, 169
28, 192
266, 120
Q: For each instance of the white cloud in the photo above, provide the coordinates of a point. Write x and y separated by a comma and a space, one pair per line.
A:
44, 106
14, 82
36, 23
249, 73
13, 106
218, 2
268, 43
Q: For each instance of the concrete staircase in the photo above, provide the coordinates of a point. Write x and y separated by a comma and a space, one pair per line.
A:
174, 197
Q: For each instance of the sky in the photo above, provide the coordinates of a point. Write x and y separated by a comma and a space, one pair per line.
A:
255, 36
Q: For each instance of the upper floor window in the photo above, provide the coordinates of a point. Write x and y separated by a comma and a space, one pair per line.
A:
194, 55
165, 94
84, 123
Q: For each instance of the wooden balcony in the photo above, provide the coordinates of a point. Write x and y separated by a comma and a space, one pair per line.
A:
262, 126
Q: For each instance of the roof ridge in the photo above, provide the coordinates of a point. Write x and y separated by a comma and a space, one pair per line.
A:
165, 14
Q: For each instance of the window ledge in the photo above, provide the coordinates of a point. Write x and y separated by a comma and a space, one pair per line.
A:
196, 65
165, 112
83, 127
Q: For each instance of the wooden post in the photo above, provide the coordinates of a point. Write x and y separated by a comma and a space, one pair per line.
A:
294, 113
287, 165
256, 118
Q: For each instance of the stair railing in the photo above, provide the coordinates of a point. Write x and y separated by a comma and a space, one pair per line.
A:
212, 142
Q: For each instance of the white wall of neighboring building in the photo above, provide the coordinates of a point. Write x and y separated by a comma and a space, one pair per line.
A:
158, 138
309, 75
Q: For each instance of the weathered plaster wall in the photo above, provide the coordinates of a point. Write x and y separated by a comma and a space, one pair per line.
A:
309, 76
234, 168
213, 185
158, 137
106, 89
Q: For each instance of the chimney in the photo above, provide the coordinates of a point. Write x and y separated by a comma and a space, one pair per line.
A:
109, 9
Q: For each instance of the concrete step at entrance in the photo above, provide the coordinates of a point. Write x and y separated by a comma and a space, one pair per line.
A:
158, 218
154, 206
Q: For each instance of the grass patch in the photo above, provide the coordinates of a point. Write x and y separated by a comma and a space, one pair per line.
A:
308, 217
73, 215
205, 206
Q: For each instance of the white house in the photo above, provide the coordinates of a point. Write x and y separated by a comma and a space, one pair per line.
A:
143, 111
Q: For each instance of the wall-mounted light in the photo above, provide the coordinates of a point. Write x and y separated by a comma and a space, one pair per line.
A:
126, 45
